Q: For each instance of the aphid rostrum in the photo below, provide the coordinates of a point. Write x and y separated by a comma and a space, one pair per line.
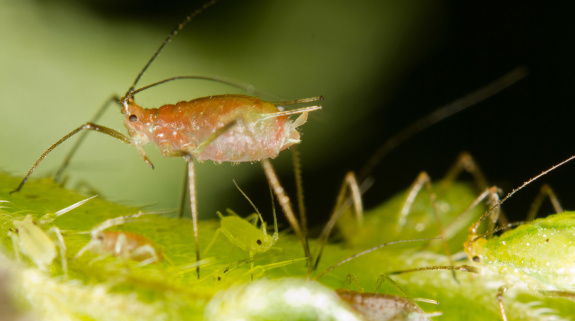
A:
224, 128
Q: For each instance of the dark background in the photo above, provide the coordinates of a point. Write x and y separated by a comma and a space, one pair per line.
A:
513, 136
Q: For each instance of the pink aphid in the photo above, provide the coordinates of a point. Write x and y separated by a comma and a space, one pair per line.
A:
256, 129
225, 128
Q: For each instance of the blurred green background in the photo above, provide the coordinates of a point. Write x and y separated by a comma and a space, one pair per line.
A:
380, 65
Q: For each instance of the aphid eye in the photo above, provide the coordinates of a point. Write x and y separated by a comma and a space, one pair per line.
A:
259, 242
133, 118
476, 259
100, 237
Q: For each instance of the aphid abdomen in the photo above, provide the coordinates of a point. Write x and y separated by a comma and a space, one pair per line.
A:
543, 249
181, 128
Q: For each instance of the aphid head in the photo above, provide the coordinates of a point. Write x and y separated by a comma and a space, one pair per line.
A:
263, 243
135, 120
475, 249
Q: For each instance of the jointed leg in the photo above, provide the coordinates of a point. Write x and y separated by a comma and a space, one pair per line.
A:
285, 203
423, 179
465, 162
82, 137
544, 192
349, 182
61, 246
194, 207
86, 126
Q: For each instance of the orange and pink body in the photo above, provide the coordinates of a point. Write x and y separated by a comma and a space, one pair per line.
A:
191, 128
126, 245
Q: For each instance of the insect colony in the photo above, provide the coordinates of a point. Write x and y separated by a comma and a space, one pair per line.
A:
162, 257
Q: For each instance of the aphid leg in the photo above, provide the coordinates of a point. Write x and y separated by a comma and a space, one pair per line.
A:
500, 293
61, 247
362, 253
384, 277
259, 270
193, 207
464, 162
421, 180
490, 196
544, 192
86, 126
121, 249
296, 160
349, 183
216, 234
149, 250
442, 113
80, 140
285, 203
352, 279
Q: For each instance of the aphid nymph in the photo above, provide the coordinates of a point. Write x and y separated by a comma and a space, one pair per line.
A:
38, 244
245, 235
126, 245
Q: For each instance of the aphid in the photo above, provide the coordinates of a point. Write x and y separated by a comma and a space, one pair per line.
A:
224, 128
537, 254
378, 306
126, 245
245, 235
381, 307
38, 244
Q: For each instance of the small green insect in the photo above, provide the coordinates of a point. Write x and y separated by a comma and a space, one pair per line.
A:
538, 254
245, 235
39, 244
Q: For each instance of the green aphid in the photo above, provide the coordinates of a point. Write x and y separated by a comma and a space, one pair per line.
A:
38, 242
540, 254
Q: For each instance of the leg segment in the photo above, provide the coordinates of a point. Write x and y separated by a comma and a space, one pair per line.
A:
86, 126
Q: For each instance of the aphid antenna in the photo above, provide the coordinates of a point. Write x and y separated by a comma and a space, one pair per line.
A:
473, 229
245, 87
440, 114
498, 229
362, 253
175, 31
264, 229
